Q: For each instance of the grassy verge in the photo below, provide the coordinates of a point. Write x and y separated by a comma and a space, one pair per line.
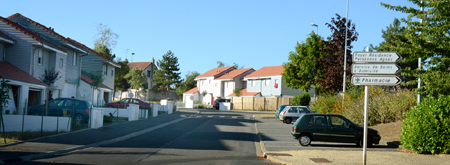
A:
12, 137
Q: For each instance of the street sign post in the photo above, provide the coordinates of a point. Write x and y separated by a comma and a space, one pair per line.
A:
371, 57
375, 68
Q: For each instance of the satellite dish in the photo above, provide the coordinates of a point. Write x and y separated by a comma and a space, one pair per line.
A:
84, 92
192, 98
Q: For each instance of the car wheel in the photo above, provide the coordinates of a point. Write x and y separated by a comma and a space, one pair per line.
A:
79, 118
288, 120
304, 140
369, 142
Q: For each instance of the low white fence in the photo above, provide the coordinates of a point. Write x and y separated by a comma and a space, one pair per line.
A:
13, 123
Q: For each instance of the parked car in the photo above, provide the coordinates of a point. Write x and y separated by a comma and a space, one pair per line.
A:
126, 103
64, 107
293, 112
218, 101
331, 128
279, 110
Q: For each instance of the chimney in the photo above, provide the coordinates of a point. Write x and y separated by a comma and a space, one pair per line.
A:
153, 60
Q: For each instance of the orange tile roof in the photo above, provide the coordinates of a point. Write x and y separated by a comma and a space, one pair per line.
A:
193, 90
234, 73
88, 80
5, 36
267, 71
36, 36
9, 71
140, 65
245, 93
215, 71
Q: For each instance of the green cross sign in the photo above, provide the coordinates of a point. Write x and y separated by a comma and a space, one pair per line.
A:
357, 79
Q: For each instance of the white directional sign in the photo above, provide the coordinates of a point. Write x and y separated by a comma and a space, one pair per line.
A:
379, 57
375, 68
385, 80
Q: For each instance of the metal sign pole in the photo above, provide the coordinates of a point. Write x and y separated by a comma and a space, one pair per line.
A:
366, 114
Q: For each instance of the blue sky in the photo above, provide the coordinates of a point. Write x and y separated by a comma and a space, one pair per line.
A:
254, 33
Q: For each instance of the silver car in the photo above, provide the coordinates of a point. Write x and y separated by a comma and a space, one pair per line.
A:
291, 113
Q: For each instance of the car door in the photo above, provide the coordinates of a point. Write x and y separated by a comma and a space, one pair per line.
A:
54, 106
340, 131
68, 108
317, 127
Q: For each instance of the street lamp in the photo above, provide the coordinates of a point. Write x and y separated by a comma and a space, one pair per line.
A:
130, 94
317, 28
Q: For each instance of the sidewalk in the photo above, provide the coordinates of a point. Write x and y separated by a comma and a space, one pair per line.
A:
331, 156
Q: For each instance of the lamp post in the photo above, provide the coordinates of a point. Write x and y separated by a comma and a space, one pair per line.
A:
317, 28
131, 94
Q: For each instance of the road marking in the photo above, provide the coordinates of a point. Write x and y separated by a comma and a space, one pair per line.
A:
210, 116
182, 115
222, 116
102, 143
246, 117
198, 116
234, 117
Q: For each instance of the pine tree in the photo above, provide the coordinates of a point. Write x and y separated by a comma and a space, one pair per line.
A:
167, 75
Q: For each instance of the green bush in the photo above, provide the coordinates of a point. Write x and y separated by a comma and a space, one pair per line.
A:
201, 106
107, 119
325, 104
426, 128
302, 99
383, 108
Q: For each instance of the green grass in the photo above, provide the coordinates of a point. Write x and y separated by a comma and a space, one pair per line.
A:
12, 137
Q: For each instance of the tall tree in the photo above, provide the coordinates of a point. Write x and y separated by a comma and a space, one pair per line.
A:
236, 66
167, 75
187, 83
105, 40
393, 35
429, 40
220, 63
333, 73
302, 69
138, 78
120, 82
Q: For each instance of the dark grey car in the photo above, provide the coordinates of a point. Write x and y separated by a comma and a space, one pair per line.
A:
64, 107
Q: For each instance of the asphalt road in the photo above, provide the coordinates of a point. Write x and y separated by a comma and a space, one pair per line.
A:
277, 137
208, 137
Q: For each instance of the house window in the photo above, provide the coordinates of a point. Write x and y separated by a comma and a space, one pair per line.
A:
216, 84
74, 58
61, 63
105, 69
40, 54
112, 73
148, 73
227, 83
209, 81
253, 83
203, 82
267, 82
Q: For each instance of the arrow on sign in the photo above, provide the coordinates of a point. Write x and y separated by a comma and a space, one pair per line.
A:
376, 69
386, 80
380, 57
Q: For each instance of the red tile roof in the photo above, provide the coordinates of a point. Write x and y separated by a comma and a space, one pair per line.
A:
5, 36
193, 90
245, 93
234, 73
267, 71
9, 71
72, 41
215, 71
88, 80
140, 65
36, 36
66, 40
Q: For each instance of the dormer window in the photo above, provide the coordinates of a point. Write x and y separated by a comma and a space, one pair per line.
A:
74, 58
40, 59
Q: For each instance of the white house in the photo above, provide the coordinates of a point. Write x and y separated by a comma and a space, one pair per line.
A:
190, 96
225, 84
207, 86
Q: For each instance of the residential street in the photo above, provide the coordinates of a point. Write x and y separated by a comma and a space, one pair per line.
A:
208, 137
